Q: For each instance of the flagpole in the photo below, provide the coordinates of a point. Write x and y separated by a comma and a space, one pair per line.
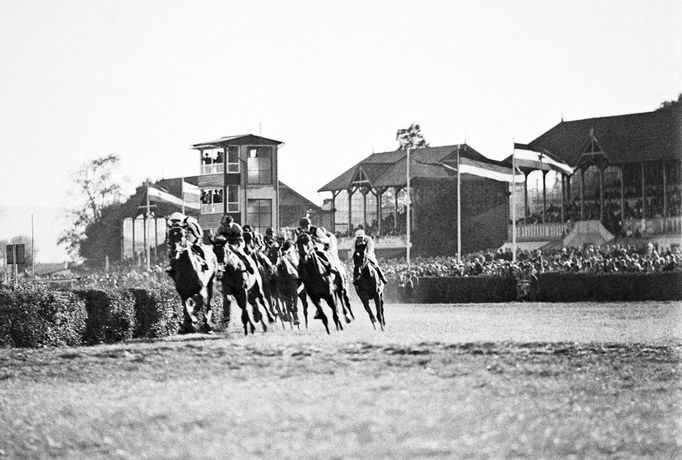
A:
182, 193
407, 209
459, 212
513, 198
146, 242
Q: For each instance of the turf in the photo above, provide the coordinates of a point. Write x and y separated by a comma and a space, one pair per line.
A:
478, 381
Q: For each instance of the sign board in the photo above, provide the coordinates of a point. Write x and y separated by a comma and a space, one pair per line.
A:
16, 249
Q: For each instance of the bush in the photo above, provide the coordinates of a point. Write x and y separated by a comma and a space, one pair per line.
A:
39, 317
566, 287
111, 315
158, 312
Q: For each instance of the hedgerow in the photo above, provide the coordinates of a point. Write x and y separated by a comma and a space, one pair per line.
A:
111, 315
39, 317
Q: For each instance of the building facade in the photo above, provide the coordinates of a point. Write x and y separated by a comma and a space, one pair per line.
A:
238, 176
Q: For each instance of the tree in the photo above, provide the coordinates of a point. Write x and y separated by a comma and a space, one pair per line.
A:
411, 137
94, 189
669, 104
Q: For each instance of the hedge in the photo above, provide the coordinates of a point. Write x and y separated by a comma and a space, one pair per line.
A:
111, 315
567, 287
39, 317
550, 287
158, 312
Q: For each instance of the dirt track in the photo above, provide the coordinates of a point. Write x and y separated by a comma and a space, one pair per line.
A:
444, 381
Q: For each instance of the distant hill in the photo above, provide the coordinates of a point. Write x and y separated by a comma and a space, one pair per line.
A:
48, 223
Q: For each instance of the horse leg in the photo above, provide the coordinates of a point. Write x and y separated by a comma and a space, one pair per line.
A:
304, 302
323, 317
364, 298
191, 321
241, 298
378, 303
329, 298
208, 310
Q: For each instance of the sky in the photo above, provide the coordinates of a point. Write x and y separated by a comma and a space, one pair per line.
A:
333, 80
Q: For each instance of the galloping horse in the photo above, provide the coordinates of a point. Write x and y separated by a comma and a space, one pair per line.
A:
244, 287
288, 283
319, 283
369, 286
193, 281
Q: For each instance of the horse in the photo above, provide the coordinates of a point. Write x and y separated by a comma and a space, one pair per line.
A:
243, 286
289, 284
193, 282
319, 283
369, 286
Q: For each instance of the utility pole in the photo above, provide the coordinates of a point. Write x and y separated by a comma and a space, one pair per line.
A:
407, 210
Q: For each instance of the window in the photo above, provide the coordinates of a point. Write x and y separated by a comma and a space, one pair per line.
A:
212, 200
233, 159
259, 165
212, 161
259, 214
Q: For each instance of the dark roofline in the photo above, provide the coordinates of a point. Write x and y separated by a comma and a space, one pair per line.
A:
282, 184
235, 140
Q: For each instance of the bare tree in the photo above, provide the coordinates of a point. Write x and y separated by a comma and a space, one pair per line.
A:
411, 137
94, 189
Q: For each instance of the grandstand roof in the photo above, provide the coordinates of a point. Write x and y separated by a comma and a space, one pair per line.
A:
389, 169
239, 139
636, 137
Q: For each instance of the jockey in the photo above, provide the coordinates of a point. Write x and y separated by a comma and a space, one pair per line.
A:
194, 234
364, 243
269, 237
234, 235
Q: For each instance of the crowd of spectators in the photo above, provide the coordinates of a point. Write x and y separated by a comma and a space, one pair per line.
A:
595, 260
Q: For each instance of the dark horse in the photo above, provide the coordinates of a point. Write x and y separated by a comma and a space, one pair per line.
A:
369, 286
318, 281
193, 280
244, 287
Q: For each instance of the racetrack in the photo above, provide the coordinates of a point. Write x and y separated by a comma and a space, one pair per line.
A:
493, 380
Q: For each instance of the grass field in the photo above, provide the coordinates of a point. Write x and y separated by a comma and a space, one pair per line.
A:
478, 381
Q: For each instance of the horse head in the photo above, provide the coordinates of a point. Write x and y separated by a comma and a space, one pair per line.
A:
304, 244
177, 241
360, 256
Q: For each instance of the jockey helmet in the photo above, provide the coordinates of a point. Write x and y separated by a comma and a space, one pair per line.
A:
304, 222
360, 233
247, 228
226, 219
176, 218
269, 231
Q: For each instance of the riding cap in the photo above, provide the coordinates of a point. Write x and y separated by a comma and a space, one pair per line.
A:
269, 231
360, 233
304, 222
176, 217
226, 219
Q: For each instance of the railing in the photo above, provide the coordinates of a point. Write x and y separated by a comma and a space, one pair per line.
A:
213, 208
384, 242
540, 232
213, 168
662, 225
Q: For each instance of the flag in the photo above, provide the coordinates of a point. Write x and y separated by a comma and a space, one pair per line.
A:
536, 159
159, 194
191, 194
481, 169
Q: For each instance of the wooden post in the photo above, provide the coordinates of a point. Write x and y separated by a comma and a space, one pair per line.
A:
563, 197
643, 193
134, 249
333, 219
350, 212
364, 209
544, 195
665, 191
601, 193
379, 193
525, 196
582, 194
395, 215
156, 241
622, 196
